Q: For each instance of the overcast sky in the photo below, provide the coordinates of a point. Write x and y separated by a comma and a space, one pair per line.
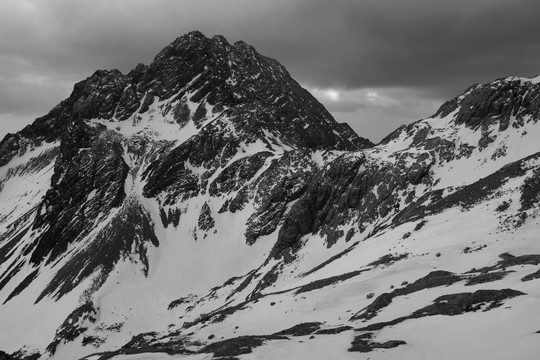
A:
375, 64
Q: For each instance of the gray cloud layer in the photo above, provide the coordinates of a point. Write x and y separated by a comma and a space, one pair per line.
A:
433, 48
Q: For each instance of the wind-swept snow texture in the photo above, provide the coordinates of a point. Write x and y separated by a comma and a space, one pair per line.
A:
206, 206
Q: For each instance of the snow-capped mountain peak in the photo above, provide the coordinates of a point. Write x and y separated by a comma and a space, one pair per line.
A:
207, 206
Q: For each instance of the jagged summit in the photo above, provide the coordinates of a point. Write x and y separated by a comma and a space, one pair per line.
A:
193, 76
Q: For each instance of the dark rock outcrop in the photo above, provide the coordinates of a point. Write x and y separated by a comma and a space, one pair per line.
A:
482, 105
73, 326
88, 181
363, 343
454, 304
206, 221
114, 242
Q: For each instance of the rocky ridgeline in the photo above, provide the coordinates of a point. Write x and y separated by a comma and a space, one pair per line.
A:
499, 101
258, 141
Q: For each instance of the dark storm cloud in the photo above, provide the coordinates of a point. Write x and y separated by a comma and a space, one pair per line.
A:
442, 46
434, 48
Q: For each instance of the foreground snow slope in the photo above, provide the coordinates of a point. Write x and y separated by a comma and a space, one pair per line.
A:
206, 206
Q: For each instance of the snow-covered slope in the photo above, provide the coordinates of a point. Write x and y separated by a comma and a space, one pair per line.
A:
206, 206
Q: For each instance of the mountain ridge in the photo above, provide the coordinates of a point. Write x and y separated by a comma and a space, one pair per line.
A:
203, 204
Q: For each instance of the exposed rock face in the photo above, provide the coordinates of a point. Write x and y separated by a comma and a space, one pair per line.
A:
209, 186
89, 178
9, 147
484, 104
127, 235
206, 221
74, 325
284, 181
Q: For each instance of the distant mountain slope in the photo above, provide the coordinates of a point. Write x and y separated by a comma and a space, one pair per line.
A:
207, 205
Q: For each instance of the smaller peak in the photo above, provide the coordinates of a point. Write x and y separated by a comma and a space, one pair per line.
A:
138, 71
102, 76
220, 39
139, 67
513, 81
244, 47
104, 73
241, 44
503, 78
535, 79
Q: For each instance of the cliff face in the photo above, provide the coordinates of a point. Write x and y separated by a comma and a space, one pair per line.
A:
206, 202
